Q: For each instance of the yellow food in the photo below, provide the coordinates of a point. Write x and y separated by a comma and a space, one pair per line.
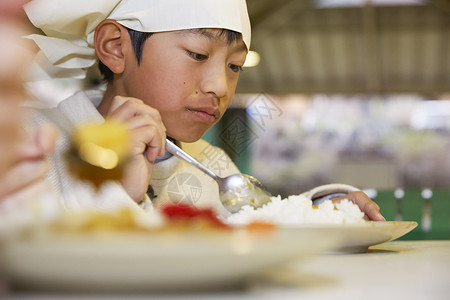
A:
99, 151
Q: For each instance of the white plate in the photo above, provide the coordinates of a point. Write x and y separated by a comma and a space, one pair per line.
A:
176, 261
352, 238
151, 262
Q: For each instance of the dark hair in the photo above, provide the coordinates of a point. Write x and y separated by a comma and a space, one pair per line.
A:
138, 39
232, 36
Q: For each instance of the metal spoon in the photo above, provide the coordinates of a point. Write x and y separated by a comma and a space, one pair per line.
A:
235, 191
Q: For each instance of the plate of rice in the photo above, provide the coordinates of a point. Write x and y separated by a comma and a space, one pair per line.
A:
341, 222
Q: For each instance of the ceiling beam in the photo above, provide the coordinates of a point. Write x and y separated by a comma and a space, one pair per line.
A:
371, 42
280, 11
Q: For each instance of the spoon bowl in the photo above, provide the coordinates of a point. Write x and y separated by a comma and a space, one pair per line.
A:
239, 190
235, 191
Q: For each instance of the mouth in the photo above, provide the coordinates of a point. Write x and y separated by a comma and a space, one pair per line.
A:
205, 114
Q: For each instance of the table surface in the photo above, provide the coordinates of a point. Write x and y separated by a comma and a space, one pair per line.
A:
394, 270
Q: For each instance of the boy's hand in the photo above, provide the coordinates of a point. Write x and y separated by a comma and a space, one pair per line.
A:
370, 209
148, 136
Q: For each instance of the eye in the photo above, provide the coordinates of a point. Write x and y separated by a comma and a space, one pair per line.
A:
197, 56
235, 68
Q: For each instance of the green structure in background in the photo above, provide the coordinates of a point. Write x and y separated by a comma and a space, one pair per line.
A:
234, 136
429, 208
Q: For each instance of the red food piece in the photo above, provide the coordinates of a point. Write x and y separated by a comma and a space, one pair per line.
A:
191, 213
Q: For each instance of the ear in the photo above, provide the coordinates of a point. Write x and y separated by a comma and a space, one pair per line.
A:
110, 42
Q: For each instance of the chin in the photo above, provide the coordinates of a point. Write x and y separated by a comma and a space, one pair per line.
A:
187, 138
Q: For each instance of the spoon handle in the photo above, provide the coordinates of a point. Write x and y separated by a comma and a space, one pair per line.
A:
177, 151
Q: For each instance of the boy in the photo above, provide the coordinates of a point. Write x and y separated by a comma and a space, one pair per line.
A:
171, 68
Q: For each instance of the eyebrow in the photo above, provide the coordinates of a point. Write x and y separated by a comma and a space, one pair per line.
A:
216, 34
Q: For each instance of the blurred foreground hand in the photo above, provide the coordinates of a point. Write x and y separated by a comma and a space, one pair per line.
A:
23, 163
24, 179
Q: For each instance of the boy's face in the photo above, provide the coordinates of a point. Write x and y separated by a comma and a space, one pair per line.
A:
190, 76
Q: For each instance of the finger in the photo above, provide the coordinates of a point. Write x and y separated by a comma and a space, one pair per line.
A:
46, 138
372, 210
148, 141
135, 113
9, 123
365, 204
123, 109
24, 196
142, 121
21, 175
37, 143
151, 153
118, 101
145, 120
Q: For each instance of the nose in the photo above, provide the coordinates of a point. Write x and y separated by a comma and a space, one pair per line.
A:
215, 81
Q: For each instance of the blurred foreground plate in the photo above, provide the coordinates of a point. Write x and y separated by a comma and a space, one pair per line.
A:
354, 238
138, 262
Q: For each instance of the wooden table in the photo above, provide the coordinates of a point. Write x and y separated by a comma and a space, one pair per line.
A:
394, 270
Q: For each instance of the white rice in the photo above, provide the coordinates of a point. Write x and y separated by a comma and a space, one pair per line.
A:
297, 209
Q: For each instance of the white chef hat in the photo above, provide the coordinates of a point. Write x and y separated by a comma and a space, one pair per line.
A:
67, 49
